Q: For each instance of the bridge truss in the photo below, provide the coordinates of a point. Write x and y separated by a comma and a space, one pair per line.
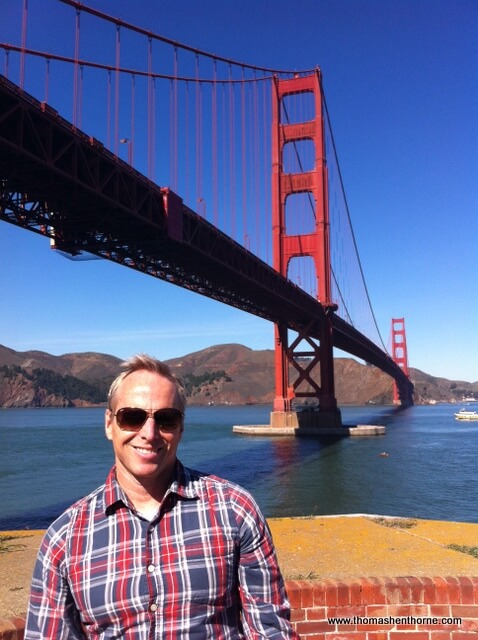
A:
61, 183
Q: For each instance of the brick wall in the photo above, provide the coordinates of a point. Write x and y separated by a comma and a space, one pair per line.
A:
376, 609
426, 608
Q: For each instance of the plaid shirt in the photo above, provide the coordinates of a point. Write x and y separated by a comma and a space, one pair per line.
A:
205, 567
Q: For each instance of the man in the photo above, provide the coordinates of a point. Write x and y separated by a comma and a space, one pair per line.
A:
159, 550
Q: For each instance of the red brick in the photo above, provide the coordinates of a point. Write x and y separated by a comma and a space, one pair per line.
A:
307, 595
373, 591
317, 613
413, 635
429, 595
19, 624
392, 591
353, 635
377, 611
467, 591
346, 629
346, 612
355, 592
442, 595
470, 625
404, 610
417, 589
373, 627
405, 590
343, 593
310, 627
475, 588
331, 593
440, 635
439, 610
464, 611
297, 614
319, 594
294, 593
454, 591
12, 629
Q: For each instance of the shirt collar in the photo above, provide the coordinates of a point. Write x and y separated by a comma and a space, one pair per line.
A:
182, 484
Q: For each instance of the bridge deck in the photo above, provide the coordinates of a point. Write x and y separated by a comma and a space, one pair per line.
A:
57, 181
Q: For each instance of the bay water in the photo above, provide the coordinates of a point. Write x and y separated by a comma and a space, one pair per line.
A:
424, 467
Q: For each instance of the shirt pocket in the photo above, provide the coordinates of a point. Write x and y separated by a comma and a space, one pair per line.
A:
211, 571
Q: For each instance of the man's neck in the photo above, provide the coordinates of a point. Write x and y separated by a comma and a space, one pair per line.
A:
145, 495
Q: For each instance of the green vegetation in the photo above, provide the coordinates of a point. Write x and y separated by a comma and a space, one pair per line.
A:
64, 386
67, 386
395, 523
472, 551
7, 548
7, 372
194, 384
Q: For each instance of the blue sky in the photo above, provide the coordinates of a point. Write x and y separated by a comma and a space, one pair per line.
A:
400, 83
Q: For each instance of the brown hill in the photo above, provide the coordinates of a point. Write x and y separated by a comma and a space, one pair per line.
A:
39, 379
222, 374
251, 377
85, 366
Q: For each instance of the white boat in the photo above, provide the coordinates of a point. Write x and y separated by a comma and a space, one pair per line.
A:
464, 414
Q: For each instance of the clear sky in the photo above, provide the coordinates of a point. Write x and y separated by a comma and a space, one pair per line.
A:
400, 79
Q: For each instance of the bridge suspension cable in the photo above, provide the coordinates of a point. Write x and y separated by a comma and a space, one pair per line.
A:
197, 122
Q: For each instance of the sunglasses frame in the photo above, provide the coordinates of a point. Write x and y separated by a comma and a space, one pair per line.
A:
148, 414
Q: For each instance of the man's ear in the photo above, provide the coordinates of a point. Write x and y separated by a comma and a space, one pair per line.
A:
109, 417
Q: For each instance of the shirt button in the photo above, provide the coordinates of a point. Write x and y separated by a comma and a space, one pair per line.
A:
151, 568
153, 607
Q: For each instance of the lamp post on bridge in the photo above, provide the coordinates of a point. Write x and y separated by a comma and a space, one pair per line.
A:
128, 142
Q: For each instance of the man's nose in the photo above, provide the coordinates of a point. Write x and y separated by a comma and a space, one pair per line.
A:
149, 430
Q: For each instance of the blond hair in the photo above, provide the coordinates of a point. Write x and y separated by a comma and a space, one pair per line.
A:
144, 362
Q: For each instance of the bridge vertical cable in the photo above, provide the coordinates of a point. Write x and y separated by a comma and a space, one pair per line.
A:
196, 122
349, 284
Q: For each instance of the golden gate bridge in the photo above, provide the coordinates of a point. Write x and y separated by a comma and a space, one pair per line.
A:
214, 175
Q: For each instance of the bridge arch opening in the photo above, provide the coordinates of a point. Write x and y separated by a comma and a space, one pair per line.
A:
297, 107
300, 213
299, 156
301, 271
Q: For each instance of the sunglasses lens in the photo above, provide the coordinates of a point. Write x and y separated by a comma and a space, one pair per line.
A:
167, 419
131, 418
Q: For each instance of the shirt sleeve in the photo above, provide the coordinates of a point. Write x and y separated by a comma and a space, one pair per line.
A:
52, 614
265, 607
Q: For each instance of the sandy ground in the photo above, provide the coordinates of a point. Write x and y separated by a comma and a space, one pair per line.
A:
340, 547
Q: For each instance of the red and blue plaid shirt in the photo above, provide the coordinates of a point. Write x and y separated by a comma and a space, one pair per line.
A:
205, 567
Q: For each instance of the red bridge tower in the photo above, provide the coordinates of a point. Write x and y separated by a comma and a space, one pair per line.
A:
302, 353
399, 352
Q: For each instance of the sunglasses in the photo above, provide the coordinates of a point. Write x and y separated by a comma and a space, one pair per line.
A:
130, 419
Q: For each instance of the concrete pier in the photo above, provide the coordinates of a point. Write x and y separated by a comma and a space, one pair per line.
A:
308, 422
339, 432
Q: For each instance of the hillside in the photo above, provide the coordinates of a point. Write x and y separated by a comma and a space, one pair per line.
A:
222, 374
38, 379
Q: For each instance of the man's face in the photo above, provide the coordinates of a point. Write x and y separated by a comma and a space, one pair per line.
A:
149, 454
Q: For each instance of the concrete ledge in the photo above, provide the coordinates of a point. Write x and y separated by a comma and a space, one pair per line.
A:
264, 430
361, 430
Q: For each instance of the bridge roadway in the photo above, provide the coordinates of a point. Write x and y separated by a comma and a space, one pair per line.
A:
57, 181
